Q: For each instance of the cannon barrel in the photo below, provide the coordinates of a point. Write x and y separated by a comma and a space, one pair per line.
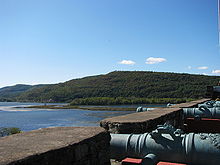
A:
143, 109
213, 92
216, 88
202, 112
210, 104
165, 144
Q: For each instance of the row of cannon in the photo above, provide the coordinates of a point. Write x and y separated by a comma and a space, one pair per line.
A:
209, 109
169, 144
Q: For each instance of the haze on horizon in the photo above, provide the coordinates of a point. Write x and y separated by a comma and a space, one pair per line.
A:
44, 42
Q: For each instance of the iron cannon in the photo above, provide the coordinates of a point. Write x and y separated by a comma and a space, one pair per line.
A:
202, 112
169, 104
210, 104
167, 144
143, 109
213, 91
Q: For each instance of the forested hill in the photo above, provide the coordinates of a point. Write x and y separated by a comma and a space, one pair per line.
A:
9, 93
125, 84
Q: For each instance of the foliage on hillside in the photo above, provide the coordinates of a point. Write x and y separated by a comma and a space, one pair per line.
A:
9, 93
12, 91
138, 84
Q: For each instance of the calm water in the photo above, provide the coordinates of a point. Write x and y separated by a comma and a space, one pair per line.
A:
29, 119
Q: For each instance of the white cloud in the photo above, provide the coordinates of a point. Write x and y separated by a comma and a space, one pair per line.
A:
189, 67
202, 67
153, 60
127, 62
216, 71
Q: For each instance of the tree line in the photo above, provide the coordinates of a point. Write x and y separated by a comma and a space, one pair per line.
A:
126, 100
125, 84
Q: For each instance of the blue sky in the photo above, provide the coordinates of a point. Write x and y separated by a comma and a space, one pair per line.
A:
51, 41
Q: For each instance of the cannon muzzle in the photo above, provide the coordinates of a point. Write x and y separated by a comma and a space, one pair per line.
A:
202, 112
167, 144
143, 109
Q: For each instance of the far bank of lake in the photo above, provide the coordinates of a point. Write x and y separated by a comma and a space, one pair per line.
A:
95, 107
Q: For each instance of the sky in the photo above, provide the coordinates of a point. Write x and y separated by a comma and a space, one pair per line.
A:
52, 41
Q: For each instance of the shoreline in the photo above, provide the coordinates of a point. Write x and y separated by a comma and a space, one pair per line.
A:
80, 107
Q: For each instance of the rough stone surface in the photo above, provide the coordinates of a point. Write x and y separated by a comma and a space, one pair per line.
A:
189, 104
56, 146
147, 121
143, 121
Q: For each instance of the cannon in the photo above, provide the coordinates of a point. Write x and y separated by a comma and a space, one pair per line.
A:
213, 91
216, 88
169, 104
167, 144
143, 109
202, 112
210, 104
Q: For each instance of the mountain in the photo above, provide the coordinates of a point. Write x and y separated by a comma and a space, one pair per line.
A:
139, 84
10, 93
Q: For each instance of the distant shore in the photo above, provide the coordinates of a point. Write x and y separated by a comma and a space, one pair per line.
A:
94, 108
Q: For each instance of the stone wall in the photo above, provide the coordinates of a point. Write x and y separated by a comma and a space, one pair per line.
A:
147, 121
143, 121
57, 146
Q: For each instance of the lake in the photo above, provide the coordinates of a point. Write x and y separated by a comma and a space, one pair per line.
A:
30, 119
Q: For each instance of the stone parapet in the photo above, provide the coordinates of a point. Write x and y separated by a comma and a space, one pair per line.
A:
147, 121
189, 104
143, 121
56, 146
